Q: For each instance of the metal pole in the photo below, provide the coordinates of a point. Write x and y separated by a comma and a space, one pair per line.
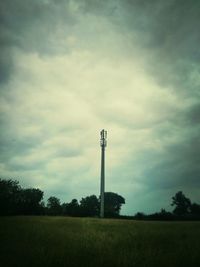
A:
102, 180
103, 144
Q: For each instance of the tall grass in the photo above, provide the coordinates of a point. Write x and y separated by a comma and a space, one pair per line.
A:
62, 241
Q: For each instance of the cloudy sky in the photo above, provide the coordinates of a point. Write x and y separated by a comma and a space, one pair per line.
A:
69, 68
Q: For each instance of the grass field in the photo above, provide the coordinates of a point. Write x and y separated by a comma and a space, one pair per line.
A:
62, 241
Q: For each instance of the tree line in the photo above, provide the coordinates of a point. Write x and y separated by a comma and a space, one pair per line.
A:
184, 209
15, 200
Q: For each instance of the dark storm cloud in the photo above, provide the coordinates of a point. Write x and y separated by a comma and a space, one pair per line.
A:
13, 144
28, 23
193, 115
178, 166
30, 26
5, 64
170, 31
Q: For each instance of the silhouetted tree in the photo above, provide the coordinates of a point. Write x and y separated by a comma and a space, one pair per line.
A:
89, 206
182, 204
72, 208
9, 197
15, 200
54, 206
195, 209
30, 201
139, 216
113, 203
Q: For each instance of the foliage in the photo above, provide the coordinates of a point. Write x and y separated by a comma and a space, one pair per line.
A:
113, 203
54, 206
182, 204
15, 200
9, 197
72, 208
195, 209
89, 206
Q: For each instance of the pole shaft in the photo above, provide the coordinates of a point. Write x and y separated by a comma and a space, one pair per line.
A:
102, 181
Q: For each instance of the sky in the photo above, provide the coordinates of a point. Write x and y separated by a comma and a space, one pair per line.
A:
69, 68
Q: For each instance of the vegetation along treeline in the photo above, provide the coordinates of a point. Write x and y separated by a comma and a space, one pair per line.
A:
15, 200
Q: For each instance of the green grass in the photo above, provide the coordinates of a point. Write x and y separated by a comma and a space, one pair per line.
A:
62, 241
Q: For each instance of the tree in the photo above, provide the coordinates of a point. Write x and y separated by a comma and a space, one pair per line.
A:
15, 200
182, 204
9, 197
140, 216
195, 209
30, 201
72, 208
89, 206
113, 203
53, 206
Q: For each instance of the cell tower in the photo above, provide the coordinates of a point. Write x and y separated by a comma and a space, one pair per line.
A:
103, 144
